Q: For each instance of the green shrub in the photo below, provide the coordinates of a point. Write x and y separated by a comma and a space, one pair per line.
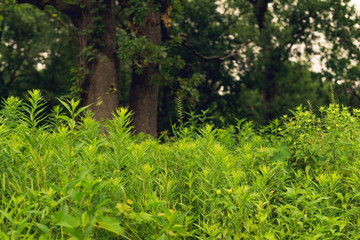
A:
67, 176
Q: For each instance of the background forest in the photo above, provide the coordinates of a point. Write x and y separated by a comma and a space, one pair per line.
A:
228, 59
154, 65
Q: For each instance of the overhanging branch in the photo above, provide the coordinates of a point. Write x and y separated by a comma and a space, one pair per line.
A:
186, 43
65, 8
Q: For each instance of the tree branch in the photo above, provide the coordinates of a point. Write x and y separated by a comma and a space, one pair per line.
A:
186, 43
68, 9
70, 27
299, 33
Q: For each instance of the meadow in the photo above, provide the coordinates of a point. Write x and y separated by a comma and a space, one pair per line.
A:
61, 177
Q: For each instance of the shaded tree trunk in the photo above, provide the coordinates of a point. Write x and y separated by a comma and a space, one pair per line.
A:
96, 25
144, 90
144, 100
260, 8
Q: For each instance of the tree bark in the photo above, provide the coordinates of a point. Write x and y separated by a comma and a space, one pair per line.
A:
260, 8
144, 90
144, 100
99, 62
96, 24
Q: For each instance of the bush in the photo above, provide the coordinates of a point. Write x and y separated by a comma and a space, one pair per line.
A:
63, 178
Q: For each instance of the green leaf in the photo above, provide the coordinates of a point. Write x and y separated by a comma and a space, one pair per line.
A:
74, 104
270, 236
85, 219
144, 216
81, 110
159, 220
75, 234
162, 237
263, 216
6, 215
281, 154
63, 117
69, 222
56, 188
66, 105
71, 185
317, 236
3, 236
342, 225
43, 228
111, 224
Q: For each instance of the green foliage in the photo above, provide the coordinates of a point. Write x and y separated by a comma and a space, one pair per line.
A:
215, 57
271, 71
34, 108
179, 110
35, 51
139, 50
69, 177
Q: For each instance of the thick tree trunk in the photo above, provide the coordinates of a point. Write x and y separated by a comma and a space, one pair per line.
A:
144, 91
96, 25
144, 100
99, 61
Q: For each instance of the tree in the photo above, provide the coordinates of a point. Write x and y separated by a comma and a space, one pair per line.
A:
144, 91
246, 51
149, 21
31, 53
236, 58
145, 41
284, 25
96, 24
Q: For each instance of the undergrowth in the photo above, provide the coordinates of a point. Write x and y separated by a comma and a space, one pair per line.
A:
62, 178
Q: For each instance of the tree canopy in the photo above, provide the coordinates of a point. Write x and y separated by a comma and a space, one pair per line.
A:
234, 59
36, 51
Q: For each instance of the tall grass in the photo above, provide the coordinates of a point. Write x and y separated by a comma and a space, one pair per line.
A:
62, 178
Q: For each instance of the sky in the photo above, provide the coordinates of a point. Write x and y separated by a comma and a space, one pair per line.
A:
316, 63
356, 3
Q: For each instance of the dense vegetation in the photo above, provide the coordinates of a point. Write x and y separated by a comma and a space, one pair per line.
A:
251, 59
62, 178
182, 162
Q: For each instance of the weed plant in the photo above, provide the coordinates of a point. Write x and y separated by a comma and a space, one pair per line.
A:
61, 177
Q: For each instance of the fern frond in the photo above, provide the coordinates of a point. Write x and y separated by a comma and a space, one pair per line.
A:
179, 110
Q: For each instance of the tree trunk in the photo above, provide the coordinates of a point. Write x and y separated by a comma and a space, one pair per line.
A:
144, 90
99, 61
260, 7
96, 25
144, 100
